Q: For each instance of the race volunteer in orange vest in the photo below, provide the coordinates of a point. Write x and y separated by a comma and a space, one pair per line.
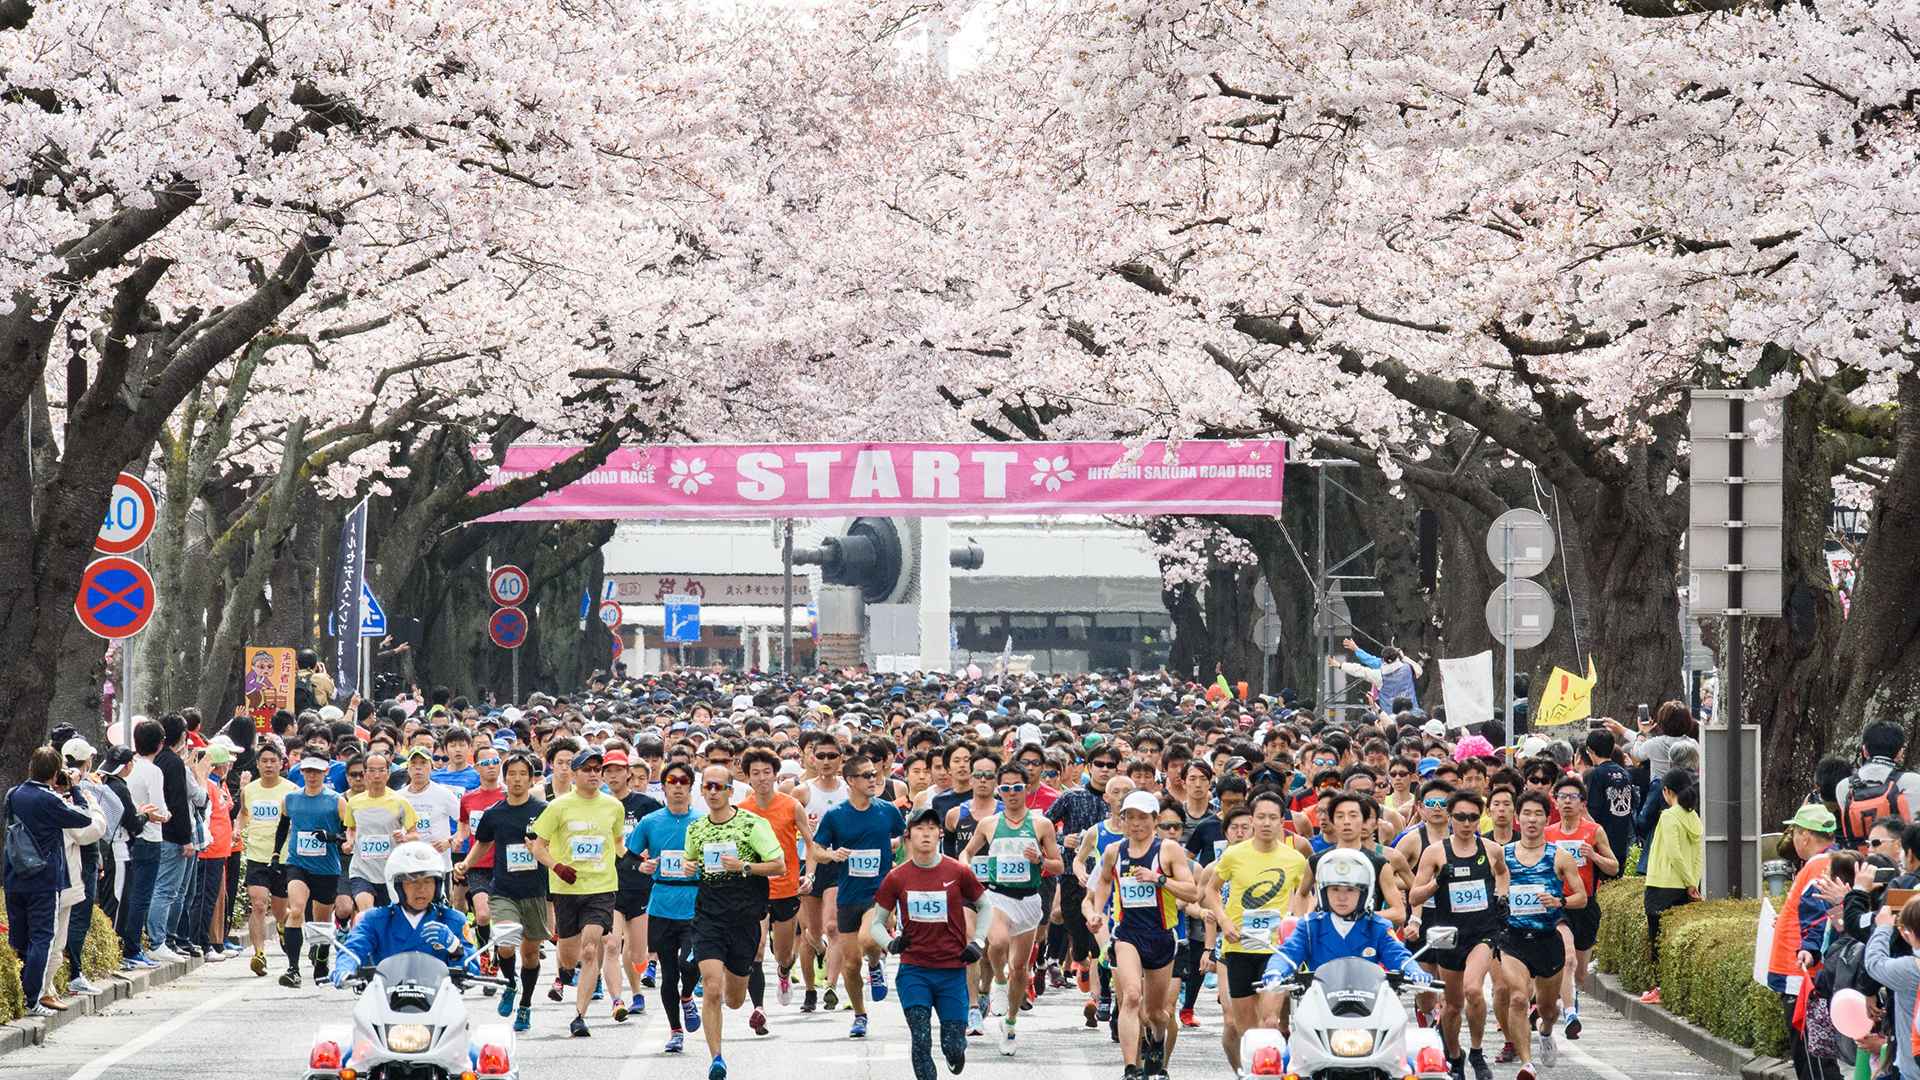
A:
1799, 931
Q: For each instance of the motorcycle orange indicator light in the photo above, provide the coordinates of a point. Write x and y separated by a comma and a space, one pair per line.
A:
348, 1074
469, 1076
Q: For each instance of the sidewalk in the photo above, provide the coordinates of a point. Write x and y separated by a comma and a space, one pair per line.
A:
33, 1030
1729, 1056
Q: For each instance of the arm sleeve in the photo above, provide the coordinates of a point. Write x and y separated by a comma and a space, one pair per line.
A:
1361, 671
1393, 955
1365, 657
1900, 973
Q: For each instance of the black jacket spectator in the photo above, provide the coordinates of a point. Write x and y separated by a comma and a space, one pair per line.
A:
45, 813
177, 829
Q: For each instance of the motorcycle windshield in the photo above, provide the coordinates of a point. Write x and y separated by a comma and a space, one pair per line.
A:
1351, 985
414, 967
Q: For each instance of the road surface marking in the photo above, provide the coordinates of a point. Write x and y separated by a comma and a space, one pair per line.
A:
106, 1061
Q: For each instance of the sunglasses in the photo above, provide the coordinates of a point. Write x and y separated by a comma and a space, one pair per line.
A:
868, 775
440, 758
1050, 772
1008, 789
1566, 796
677, 781
1434, 804
1877, 843
1168, 826
355, 774
719, 761
1399, 774
1464, 817
983, 776
488, 761
826, 757
1105, 764
716, 787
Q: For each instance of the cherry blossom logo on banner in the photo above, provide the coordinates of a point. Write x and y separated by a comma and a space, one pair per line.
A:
690, 476
1052, 472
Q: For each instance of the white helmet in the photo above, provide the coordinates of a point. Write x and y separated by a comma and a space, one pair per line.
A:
413, 859
1342, 866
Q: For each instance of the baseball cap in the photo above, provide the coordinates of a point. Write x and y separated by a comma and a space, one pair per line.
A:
1428, 765
418, 752
1814, 818
614, 757
925, 813
216, 754
315, 763
76, 749
1434, 728
591, 753
1143, 801
330, 713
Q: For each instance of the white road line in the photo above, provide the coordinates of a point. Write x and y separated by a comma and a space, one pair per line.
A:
644, 1049
1070, 1065
1569, 1048
101, 1064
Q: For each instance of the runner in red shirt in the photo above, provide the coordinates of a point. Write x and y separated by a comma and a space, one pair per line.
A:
1581, 837
926, 899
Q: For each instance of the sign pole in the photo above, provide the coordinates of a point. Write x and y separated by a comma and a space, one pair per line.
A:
516, 676
1506, 690
786, 606
1735, 816
126, 692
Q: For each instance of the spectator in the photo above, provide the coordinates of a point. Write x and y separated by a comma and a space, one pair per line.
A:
1609, 790
1675, 726
176, 838
76, 900
211, 867
312, 686
46, 804
121, 829
1390, 672
1879, 787
1901, 975
1799, 933
146, 787
201, 804
1676, 862
1685, 756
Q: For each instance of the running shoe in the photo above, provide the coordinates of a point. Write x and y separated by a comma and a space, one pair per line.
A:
599, 989
1477, 1058
1006, 1039
639, 1004
1549, 1050
690, 1014
1187, 1019
859, 1030
319, 969
1086, 979
1527, 1073
1573, 1027
810, 1002
291, 980
647, 979
523, 1018
717, 1070
956, 1062
1104, 1012
758, 1021
1507, 1054
786, 989
976, 1024
578, 1029
877, 981
999, 1006
619, 1011
1457, 1067
1132, 1072
258, 965
556, 992
830, 999
676, 1042
1211, 981
506, 1004
1651, 997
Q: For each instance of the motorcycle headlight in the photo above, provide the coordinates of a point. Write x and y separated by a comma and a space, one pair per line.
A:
1350, 1042
413, 1038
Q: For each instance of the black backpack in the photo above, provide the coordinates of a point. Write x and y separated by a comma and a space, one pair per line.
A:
303, 698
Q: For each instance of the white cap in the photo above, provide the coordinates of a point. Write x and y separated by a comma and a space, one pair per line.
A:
742, 702
1030, 735
330, 713
790, 767
510, 714
1534, 745
315, 763
76, 749
1143, 801
1434, 728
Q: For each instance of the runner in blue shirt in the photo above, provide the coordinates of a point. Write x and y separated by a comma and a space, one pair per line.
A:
310, 819
860, 835
660, 841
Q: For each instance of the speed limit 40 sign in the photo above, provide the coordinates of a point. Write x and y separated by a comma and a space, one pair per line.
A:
129, 517
508, 586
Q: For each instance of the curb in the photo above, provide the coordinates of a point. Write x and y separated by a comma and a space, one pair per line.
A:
1728, 1056
33, 1030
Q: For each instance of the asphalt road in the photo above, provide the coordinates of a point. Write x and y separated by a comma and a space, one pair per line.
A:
222, 1022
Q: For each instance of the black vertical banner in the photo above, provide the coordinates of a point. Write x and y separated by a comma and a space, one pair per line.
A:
349, 579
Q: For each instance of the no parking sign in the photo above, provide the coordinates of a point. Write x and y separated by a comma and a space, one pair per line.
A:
116, 597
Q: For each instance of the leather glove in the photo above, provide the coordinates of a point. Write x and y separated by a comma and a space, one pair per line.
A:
439, 937
971, 953
564, 872
899, 945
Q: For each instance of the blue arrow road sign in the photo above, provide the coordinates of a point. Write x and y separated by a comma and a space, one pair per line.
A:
683, 618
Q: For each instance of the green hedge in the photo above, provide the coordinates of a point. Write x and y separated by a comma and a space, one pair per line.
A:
99, 958
1706, 963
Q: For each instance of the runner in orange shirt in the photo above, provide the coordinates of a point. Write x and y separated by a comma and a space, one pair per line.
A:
789, 822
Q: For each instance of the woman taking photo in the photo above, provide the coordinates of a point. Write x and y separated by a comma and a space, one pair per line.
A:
1675, 859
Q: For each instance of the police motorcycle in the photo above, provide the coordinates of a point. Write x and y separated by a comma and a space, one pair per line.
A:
410, 1022
1349, 1024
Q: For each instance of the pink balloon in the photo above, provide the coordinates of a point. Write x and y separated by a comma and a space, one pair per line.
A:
973, 671
1286, 929
1850, 1014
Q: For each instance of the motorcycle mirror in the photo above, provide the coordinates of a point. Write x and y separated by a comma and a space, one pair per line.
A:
1443, 937
506, 935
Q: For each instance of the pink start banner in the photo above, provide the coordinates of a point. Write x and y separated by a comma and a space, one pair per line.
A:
779, 480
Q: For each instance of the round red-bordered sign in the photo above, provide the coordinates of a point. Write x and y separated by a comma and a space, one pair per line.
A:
129, 519
610, 614
618, 648
508, 628
508, 586
116, 597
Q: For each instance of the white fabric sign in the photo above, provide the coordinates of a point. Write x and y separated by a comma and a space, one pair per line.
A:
1467, 686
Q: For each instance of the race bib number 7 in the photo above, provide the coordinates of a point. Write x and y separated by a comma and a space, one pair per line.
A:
711, 854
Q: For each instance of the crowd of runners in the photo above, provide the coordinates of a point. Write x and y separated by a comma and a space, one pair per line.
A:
1141, 846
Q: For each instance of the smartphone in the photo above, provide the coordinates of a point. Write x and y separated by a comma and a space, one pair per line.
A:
1645, 714
1884, 874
